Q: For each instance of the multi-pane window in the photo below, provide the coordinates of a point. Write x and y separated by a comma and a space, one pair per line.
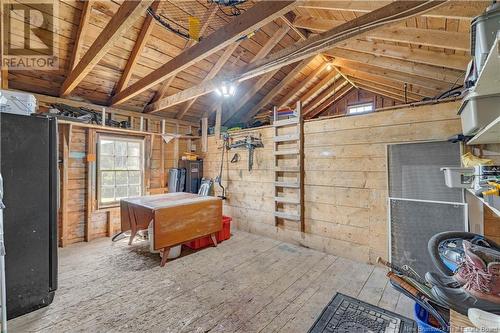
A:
360, 108
120, 168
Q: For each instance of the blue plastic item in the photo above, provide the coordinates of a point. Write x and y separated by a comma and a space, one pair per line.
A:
422, 317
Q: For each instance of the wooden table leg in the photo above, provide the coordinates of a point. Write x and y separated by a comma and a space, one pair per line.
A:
214, 239
133, 225
164, 256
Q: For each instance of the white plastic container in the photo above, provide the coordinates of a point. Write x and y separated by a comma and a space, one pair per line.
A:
478, 111
458, 177
17, 102
174, 252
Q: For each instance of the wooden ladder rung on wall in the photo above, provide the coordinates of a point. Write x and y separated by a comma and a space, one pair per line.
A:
289, 168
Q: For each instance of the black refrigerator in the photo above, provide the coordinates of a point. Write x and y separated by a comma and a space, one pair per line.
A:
30, 178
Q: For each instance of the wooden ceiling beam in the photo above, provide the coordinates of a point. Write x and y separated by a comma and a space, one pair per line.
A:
243, 100
252, 90
433, 58
213, 72
462, 10
380, 79
277, 88
423, 70
257, 16
266, 48
295, 90
289, 18
319, 87
80, 33
400, 34
140, 42
124, 18
162, 91
377, 90
398, 10
327, 93
411, 96
427, 84
326, 104
425, 37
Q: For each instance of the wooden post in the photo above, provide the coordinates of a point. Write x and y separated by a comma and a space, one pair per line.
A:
4, 71
91, 173
103, 117
176, 147
141, 124
64, 185
204, 134
218, 120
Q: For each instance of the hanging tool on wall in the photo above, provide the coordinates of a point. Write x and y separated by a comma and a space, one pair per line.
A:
218, 179
249, 142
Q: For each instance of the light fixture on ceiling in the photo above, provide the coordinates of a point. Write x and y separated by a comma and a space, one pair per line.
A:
329, 67
226, 89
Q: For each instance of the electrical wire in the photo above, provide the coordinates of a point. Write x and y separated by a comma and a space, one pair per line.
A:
167, 25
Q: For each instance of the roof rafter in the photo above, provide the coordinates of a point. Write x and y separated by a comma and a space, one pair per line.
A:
380, 79
398, 10
277, 88
259, 15
432, 72
81, 32
326, 104
213, 72
376, 90
410, 96
295, 90
327, 93
264, 50
124, 18
453, 9
427, 84
433, 58
162, 91
146, 29
398, 33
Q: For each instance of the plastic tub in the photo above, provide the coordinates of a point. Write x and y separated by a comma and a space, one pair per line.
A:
478, 111
422, 319
458, 177
206, 241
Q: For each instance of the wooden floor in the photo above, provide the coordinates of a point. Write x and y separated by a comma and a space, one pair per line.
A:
247, 284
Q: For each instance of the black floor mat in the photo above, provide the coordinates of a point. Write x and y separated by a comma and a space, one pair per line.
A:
347, 314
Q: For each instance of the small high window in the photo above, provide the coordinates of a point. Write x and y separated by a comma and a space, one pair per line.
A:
360, 108
120, 168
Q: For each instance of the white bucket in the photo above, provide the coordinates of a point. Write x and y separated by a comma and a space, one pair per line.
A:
174, 252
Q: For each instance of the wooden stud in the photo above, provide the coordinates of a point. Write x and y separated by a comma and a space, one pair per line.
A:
90, 190
124, 18
259, 15
204, 134
67, 129
327, 93
218, 120
326, 104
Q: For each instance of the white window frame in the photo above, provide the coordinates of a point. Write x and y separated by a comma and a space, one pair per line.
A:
353, 109
111, 137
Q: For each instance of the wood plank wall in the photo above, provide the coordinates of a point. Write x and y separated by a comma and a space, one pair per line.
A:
345, 181
104, 222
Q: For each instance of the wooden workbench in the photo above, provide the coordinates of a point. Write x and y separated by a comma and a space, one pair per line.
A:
177, 218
